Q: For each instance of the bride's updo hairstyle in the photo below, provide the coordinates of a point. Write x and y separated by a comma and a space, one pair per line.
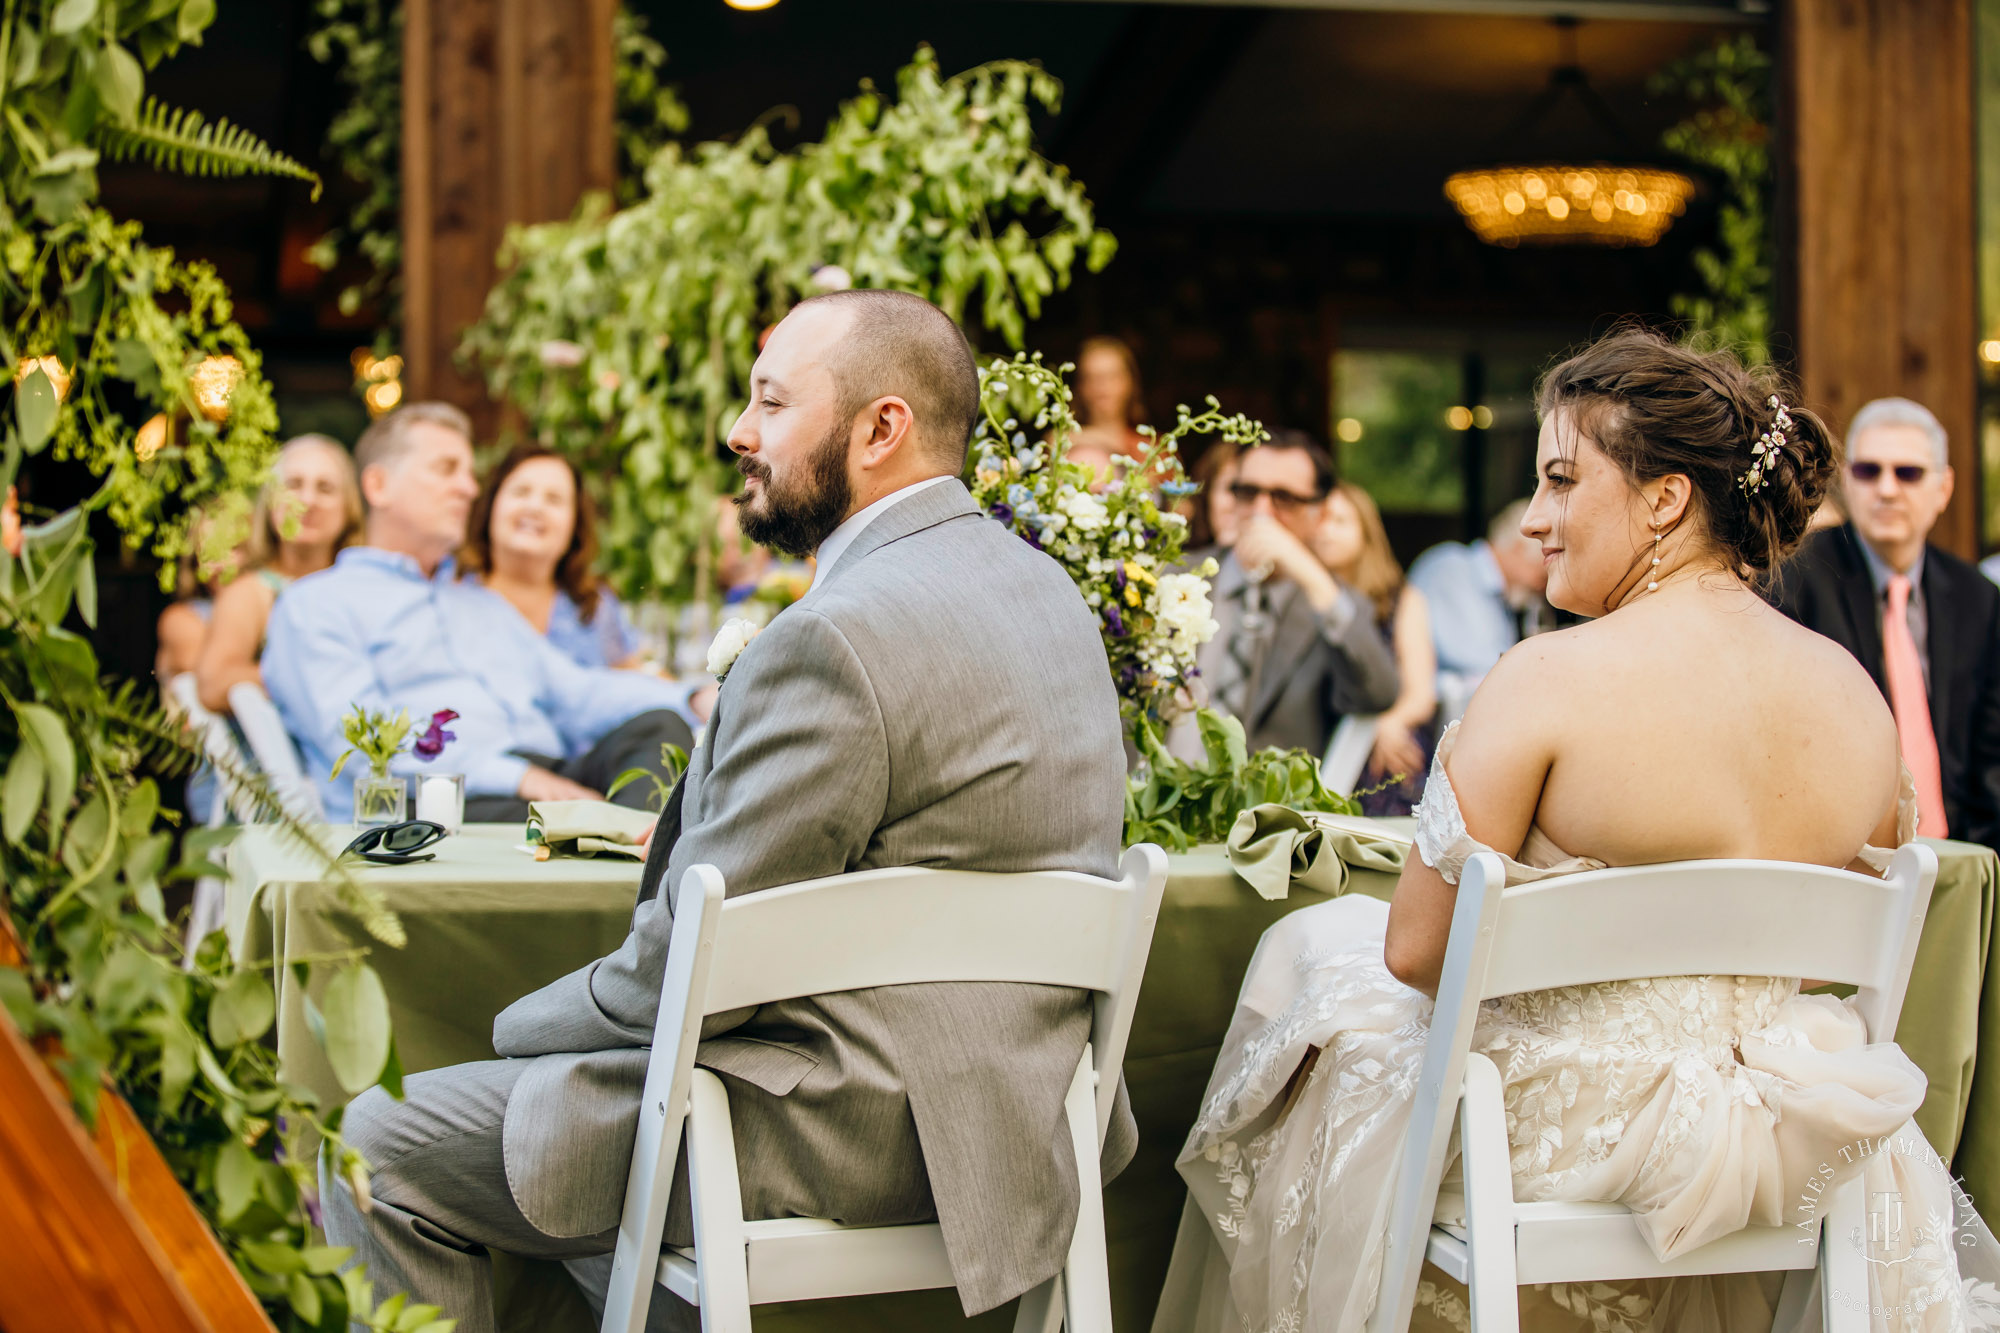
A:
1656, 408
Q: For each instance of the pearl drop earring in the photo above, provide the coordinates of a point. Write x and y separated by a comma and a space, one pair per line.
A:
1657, 536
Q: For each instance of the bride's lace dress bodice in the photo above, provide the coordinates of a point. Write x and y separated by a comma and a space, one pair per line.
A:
1700, 1103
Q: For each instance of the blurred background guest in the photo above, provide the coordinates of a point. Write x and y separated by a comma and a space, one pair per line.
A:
1211, 511
312, 492
1296, 649
1484, 597
1109, 405
10, 522
740, 564
1354, 546
534, 541
1924, 622
183, 626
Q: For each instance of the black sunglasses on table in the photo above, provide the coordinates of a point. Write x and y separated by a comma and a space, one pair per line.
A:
396, 844
1907, 473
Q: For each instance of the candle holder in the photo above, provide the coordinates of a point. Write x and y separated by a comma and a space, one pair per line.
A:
441, 799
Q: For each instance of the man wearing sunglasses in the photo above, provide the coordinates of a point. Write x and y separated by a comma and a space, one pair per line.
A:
1295, 650
1925, 623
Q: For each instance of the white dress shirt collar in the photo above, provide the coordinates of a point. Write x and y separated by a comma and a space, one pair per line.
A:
843, 536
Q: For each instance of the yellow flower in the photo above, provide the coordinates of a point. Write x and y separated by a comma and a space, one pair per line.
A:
1138, 573
1131, 594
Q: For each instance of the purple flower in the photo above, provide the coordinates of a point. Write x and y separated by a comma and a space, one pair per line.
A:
431, 744
1002, 511
1028, 536
1118, 578
311, 1201
1114, 620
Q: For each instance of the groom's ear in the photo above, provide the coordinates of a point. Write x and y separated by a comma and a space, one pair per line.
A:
891, 432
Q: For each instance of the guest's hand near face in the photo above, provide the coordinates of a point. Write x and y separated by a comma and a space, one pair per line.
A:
538, 784
1265, 543
1396, 749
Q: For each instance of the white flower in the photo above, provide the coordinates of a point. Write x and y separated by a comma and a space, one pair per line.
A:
730, 641
560, 354
1186, 612
1084, 509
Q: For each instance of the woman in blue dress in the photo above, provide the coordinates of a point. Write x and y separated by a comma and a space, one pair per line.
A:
533, 539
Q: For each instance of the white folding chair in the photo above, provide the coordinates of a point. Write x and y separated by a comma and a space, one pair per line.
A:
277, 754
1050, 928
1785, 920
1347, 753
218, 743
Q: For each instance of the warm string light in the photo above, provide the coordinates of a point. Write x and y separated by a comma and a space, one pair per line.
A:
213, 381
749, 4
381, 378
1556, 205
152, 438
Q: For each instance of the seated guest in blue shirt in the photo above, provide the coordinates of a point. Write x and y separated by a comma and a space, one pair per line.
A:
1485, 598
533, 540
390, 626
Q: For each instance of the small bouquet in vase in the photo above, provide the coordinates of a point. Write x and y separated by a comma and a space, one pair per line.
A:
378, 737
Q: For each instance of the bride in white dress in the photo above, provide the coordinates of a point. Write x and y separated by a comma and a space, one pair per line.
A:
1695, 722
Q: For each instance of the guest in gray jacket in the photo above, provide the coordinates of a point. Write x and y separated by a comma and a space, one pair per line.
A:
939, 698
1296, 650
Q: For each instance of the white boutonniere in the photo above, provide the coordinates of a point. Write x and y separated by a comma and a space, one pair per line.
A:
730, 641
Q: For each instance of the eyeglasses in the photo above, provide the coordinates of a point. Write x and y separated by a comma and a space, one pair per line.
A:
396, 844
1907, 473
1285, 502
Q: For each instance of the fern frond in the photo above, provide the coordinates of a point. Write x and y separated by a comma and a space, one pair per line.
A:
180, 140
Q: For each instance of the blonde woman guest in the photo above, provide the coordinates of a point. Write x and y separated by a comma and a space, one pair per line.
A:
1355, 548
307, 513
1109, 406
533, 539
182, 630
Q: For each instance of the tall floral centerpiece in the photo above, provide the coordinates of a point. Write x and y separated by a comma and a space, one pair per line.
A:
1125, 553
1110, 534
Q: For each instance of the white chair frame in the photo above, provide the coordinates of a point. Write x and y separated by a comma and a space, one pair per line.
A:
275, 751
1050, 928
1786, 920
1347, 753
218, 743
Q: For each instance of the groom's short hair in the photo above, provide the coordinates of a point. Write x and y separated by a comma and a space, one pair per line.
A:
901, 344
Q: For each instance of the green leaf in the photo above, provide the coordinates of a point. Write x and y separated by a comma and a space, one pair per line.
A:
392, 1071
194, 18
357, 1026
415, 1317
86, 590
119, 82
71, 15
21, 796
127, 982
273, 1257
303, 1294
235, 1184
323, 1260
35, 409
242, 1010
40, 725
211, 1070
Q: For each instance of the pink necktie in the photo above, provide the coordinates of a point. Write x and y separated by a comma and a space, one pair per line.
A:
1911, 703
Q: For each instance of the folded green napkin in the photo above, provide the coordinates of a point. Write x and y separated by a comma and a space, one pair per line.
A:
587, 828
1275, 846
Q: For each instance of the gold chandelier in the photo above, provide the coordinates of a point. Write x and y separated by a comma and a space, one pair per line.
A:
1552, 203
1569, 205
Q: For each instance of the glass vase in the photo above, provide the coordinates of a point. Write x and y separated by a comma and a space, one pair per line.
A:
441, 799
379, 798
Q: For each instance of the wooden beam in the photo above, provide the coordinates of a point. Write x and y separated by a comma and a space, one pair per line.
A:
1877, 105
507, 117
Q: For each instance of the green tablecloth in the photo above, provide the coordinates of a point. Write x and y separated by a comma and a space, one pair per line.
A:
487, 923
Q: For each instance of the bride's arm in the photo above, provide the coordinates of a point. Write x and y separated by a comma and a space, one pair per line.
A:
1504, 748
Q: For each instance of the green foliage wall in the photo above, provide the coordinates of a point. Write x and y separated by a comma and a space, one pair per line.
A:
625, 338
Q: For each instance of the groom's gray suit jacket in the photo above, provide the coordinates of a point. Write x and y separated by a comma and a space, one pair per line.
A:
941, 699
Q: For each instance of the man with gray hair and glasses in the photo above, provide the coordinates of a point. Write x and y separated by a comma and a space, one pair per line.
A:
1925, 623
390, 627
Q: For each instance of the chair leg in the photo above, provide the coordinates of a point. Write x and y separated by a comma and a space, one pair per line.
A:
721, 1261
1492, 1285
1843, 1270
1041, 1308
1087, 1275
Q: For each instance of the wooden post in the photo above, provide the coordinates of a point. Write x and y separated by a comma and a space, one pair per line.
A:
1877, 99
507, 117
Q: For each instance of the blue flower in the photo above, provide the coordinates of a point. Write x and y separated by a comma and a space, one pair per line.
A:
1179, 489
1020, 497
1114, 619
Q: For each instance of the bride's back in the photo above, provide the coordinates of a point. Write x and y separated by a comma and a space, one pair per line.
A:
1688, 718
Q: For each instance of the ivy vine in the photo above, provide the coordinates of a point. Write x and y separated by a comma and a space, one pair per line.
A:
625, 338
1729, 133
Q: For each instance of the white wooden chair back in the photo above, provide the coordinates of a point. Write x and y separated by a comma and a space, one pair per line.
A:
1054, 928
276, 753
1683, 918
1347, 753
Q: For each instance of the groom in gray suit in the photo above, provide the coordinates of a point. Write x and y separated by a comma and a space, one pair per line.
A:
939, 698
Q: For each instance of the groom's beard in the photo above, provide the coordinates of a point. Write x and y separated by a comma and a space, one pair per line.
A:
794, 517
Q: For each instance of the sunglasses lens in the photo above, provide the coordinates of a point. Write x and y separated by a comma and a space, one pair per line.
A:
1909, 474
411, 836
1865, 471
